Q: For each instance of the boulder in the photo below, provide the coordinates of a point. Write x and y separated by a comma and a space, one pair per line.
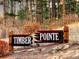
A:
4, 48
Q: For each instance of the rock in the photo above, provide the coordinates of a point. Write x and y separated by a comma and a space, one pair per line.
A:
30, 50
34, 51
4, 47
66, 46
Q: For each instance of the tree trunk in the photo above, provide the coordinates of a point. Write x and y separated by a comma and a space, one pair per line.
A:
53, 8
49, 10
5, 12
26, 8
14, 12
39, 11
30, 10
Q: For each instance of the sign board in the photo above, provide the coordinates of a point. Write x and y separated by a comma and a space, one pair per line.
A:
50, 36
21, 40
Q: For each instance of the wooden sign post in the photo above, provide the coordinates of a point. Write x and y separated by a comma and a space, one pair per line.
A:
66, 34
18, 40
10, 42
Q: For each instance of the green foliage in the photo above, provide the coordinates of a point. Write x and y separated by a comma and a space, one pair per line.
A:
70, 6
18, 0
46, 13
10, 14
77, 9
11, 3
45, 9
58, 9
22, 14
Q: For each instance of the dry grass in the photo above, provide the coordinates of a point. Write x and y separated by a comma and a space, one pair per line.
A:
31, 27
68, 19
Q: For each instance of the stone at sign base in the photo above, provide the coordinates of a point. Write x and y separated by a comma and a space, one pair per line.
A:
4, 48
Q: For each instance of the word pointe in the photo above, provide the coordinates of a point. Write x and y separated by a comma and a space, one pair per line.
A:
50, 36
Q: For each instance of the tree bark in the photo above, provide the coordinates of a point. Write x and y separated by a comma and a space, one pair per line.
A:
39, 11
26, 8
53, 8
5, 12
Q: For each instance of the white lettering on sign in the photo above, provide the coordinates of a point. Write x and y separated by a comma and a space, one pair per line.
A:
22, 40
49, 36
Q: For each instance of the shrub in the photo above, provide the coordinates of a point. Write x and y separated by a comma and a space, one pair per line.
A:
31, 27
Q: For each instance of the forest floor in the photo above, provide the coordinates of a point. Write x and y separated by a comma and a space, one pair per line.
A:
61, 51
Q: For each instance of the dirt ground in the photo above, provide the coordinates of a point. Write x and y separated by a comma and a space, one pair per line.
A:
62, 51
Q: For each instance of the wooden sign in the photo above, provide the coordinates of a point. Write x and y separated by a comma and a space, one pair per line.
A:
56, 36
50, 36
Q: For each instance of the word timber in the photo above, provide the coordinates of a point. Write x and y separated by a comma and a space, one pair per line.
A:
21, 40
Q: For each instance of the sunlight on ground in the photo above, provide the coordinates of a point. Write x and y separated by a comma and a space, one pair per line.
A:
2, 15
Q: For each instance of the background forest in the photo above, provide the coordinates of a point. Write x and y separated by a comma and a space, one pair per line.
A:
22, 16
